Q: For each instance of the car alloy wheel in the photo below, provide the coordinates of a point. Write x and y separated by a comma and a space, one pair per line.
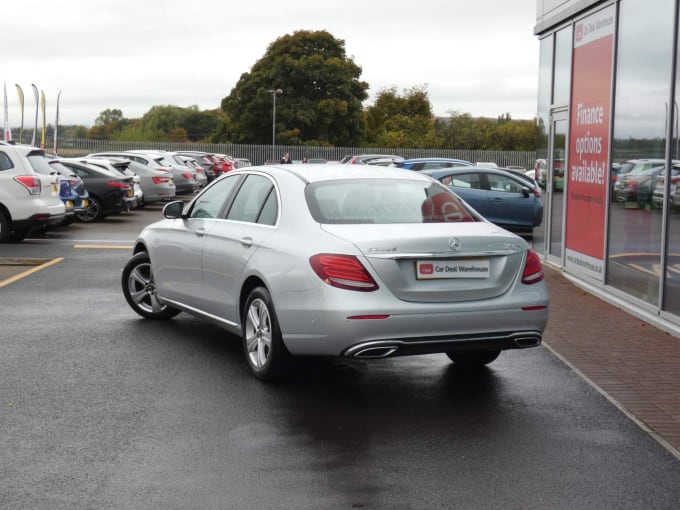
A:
266, 355
92, 213
140, 291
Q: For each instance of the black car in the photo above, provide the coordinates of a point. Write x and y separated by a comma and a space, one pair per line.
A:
109, 193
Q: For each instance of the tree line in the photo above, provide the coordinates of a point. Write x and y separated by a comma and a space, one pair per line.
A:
319, 102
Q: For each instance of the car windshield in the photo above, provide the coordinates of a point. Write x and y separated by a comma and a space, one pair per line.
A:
384, 201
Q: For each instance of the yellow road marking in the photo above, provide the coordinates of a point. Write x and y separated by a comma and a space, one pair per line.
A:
30, 271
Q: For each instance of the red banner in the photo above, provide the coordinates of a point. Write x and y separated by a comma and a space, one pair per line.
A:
588, 174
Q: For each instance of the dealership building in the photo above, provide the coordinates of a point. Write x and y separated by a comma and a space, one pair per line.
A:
608, 96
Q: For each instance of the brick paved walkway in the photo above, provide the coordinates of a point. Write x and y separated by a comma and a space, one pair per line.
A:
636, 365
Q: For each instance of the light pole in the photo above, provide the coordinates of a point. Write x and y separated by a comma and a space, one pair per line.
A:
274, 93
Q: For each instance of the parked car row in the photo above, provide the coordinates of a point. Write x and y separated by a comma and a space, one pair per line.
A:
29, 194
39, 191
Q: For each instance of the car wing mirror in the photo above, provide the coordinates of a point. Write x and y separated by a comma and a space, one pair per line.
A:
173, 210
526, 192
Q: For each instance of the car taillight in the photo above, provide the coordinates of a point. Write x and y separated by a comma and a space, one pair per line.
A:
118, 185
537, 192
343, 271
533, 269
188, 176
30, 182
160, 180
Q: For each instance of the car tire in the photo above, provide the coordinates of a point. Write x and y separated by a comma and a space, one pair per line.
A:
5, 229
265, 352
140, 291
92, 213
470, 359
19, 235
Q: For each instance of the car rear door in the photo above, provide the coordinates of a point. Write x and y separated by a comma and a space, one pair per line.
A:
469, 187
230, 242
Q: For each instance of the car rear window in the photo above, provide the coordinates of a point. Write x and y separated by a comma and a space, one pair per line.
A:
384, 201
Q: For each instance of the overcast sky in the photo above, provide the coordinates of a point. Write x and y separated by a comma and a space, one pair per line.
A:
478, 57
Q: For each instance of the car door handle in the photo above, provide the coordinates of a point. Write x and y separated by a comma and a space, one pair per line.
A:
200, 232
247, 242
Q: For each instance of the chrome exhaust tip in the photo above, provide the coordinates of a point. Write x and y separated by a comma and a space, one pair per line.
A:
375, 352
527, 341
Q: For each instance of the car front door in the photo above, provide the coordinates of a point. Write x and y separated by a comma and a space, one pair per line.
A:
509, 204
178, 271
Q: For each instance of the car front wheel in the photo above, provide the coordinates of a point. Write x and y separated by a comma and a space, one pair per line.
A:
267, 357
469, 359
140, 291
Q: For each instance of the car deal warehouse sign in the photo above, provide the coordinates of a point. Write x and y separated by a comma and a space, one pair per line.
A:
589, 143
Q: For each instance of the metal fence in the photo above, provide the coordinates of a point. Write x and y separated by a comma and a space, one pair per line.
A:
259, 154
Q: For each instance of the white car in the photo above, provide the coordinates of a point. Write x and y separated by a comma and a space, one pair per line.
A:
28, 199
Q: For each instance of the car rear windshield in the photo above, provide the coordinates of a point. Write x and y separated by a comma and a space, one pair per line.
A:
383, 201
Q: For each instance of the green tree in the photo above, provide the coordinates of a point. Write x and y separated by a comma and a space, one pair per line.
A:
402, 120
106, 126
321, 98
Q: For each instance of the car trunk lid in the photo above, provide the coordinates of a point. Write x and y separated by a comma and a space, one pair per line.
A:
439, 262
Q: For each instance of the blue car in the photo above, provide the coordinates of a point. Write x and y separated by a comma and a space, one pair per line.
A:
500, 196
77, 194
431, 163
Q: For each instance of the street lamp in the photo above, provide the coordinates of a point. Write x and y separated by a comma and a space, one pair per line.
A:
274, 93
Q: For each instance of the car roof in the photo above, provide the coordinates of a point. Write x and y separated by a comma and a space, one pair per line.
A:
436, 173
315, 173
426, 160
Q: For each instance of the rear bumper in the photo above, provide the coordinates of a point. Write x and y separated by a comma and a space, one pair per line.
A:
38, 221
452, 343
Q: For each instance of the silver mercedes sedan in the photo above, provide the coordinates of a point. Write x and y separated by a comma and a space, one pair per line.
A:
354, 261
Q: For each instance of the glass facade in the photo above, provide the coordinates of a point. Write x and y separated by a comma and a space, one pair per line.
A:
643, 80
671, 294
641, 237
543, 119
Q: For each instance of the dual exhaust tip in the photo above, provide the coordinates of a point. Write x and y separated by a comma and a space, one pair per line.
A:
387, 350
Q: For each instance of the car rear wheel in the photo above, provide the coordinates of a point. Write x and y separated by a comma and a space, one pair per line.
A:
473, 358
93, 212
19, 235
5, 230
140, 291
265, 352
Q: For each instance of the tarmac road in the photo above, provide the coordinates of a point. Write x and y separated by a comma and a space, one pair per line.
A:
101, 409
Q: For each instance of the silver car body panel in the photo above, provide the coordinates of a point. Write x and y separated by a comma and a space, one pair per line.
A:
203, 265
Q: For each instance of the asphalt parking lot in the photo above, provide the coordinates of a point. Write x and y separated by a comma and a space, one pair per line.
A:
102, 409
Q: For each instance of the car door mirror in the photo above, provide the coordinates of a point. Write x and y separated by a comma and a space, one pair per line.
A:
173, 210
526, 192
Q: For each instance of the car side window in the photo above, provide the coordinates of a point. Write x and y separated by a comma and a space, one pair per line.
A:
5, 162
269, 211
210, 203
470, 181
250, 199
503, 184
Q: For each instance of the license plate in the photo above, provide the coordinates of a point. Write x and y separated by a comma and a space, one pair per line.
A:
444, 269
55, 188
130, 193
